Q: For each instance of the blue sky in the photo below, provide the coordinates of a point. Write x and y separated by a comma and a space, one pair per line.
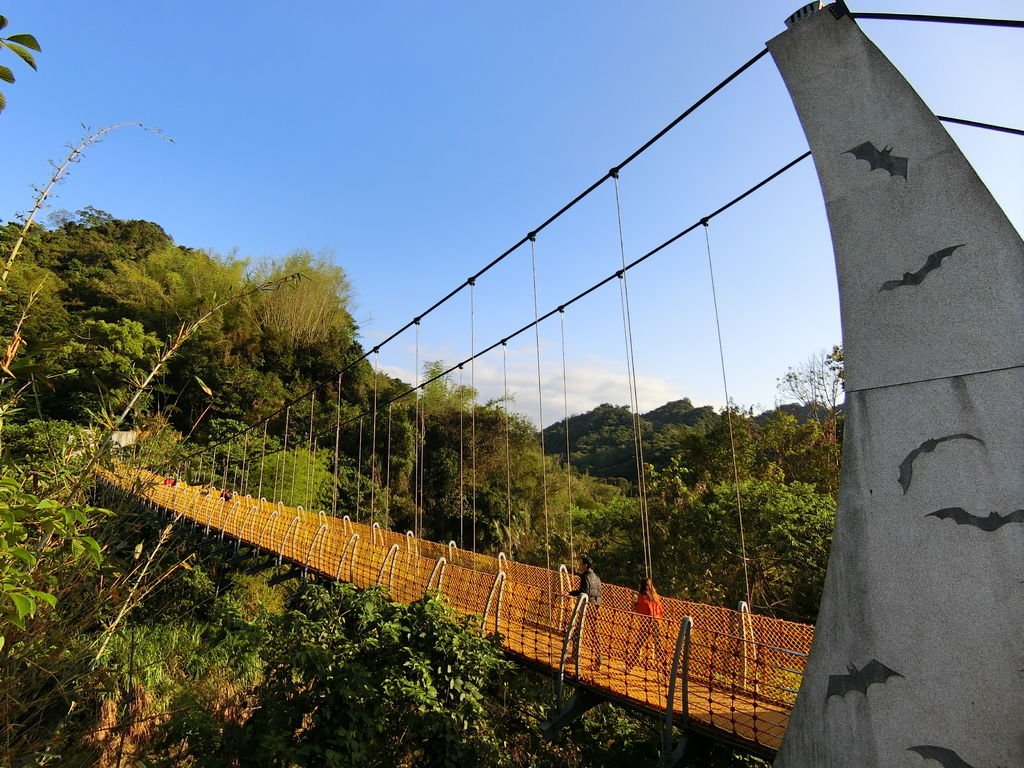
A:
412, 143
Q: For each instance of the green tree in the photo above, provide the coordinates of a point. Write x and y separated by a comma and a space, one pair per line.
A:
353, 679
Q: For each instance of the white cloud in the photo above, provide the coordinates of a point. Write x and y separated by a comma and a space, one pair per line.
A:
588, 383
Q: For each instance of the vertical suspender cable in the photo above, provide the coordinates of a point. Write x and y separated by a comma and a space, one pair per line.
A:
565, 412
245, 466
310, 464
359, 470
728, 414
311, 498
423, 462
227, 463
293, 501
462, 462
540, 405
417, 513
472, 395
387, 469
263, 459
508, 452
283, 453
337, 446
627, 328
373, 439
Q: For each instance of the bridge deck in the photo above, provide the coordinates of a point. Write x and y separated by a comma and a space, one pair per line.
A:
744, 669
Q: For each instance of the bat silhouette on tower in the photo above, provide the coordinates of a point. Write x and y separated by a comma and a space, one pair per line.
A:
894, 165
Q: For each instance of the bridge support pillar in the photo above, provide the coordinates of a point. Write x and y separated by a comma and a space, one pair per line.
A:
917, 651
581, 702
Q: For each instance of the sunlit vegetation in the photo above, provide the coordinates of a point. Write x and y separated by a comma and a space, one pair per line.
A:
127, 643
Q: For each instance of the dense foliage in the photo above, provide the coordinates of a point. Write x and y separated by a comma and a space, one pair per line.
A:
123, 641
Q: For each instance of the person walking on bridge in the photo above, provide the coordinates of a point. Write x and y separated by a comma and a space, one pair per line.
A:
648, 604
590, 585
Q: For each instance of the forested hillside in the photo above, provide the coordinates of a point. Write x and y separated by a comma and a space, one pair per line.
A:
122, 640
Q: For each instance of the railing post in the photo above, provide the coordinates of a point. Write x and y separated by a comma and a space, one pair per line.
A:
747, 644
259, 541
576, 620
497, 589
438, 571
252, 509
389, 557
292, 528
318, 536
232, 516
351, 545
680, 670
564, 587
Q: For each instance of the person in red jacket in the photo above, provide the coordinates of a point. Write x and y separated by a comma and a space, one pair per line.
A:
648, 603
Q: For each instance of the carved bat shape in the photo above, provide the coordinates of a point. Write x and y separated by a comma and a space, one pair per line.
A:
945, 757
929, 445
993, 522
859, 679
877, 158
933, 262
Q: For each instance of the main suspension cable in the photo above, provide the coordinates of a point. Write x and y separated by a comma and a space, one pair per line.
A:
501, 257
970, 20
419, 386
976, 124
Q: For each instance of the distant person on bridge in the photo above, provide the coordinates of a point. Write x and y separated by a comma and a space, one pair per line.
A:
648, 603
590, 585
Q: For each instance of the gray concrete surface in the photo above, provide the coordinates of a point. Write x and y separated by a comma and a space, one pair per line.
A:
918, 657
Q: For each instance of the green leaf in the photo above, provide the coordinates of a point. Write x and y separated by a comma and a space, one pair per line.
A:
92, 548
3, 22
202, 385
24, 555
23, 54
27, 40
46, 597
23, 604
3, 101
6, 75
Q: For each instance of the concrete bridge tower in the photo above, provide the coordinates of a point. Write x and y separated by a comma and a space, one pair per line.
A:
918, 657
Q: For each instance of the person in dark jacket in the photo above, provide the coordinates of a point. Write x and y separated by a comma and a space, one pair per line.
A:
590, 585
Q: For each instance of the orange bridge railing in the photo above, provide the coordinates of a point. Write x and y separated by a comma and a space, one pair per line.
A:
731, 674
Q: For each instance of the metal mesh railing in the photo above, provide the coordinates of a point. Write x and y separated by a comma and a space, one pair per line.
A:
744, 669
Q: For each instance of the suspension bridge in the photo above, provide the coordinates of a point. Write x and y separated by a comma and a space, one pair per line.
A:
733, 674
